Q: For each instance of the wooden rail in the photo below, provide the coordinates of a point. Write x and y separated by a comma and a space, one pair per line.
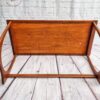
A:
50, 76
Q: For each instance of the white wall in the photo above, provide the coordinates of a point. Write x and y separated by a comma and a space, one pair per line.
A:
48, 9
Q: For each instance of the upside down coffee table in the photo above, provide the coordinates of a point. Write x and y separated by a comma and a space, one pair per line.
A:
42, 37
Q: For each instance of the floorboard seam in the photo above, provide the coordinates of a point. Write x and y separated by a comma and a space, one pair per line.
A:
35, 83
59, 78
84, 79
34, 89
14, 78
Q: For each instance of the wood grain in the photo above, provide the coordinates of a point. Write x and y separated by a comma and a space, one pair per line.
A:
50, 37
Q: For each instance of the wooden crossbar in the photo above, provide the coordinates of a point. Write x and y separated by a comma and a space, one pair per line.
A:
50, 76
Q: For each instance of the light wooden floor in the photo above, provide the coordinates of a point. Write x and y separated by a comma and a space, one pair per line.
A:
50, 89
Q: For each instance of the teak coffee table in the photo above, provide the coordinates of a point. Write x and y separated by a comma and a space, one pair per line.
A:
37, 37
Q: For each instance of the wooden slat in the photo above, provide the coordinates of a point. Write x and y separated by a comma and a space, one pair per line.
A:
50, 76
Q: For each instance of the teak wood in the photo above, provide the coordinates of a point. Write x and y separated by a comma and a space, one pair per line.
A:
73, 37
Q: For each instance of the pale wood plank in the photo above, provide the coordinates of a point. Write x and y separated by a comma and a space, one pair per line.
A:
73, 89
7, 56
96, 62
95, 54
84, 67
19, 84
7, 59
9, 81
36, 89
6, 52
5, 47
47, 89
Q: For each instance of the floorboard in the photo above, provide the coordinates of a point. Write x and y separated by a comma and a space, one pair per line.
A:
83, 67
36, 89
8, 83
73, 89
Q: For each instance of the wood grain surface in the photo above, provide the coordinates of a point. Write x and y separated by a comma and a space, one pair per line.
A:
50, 37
